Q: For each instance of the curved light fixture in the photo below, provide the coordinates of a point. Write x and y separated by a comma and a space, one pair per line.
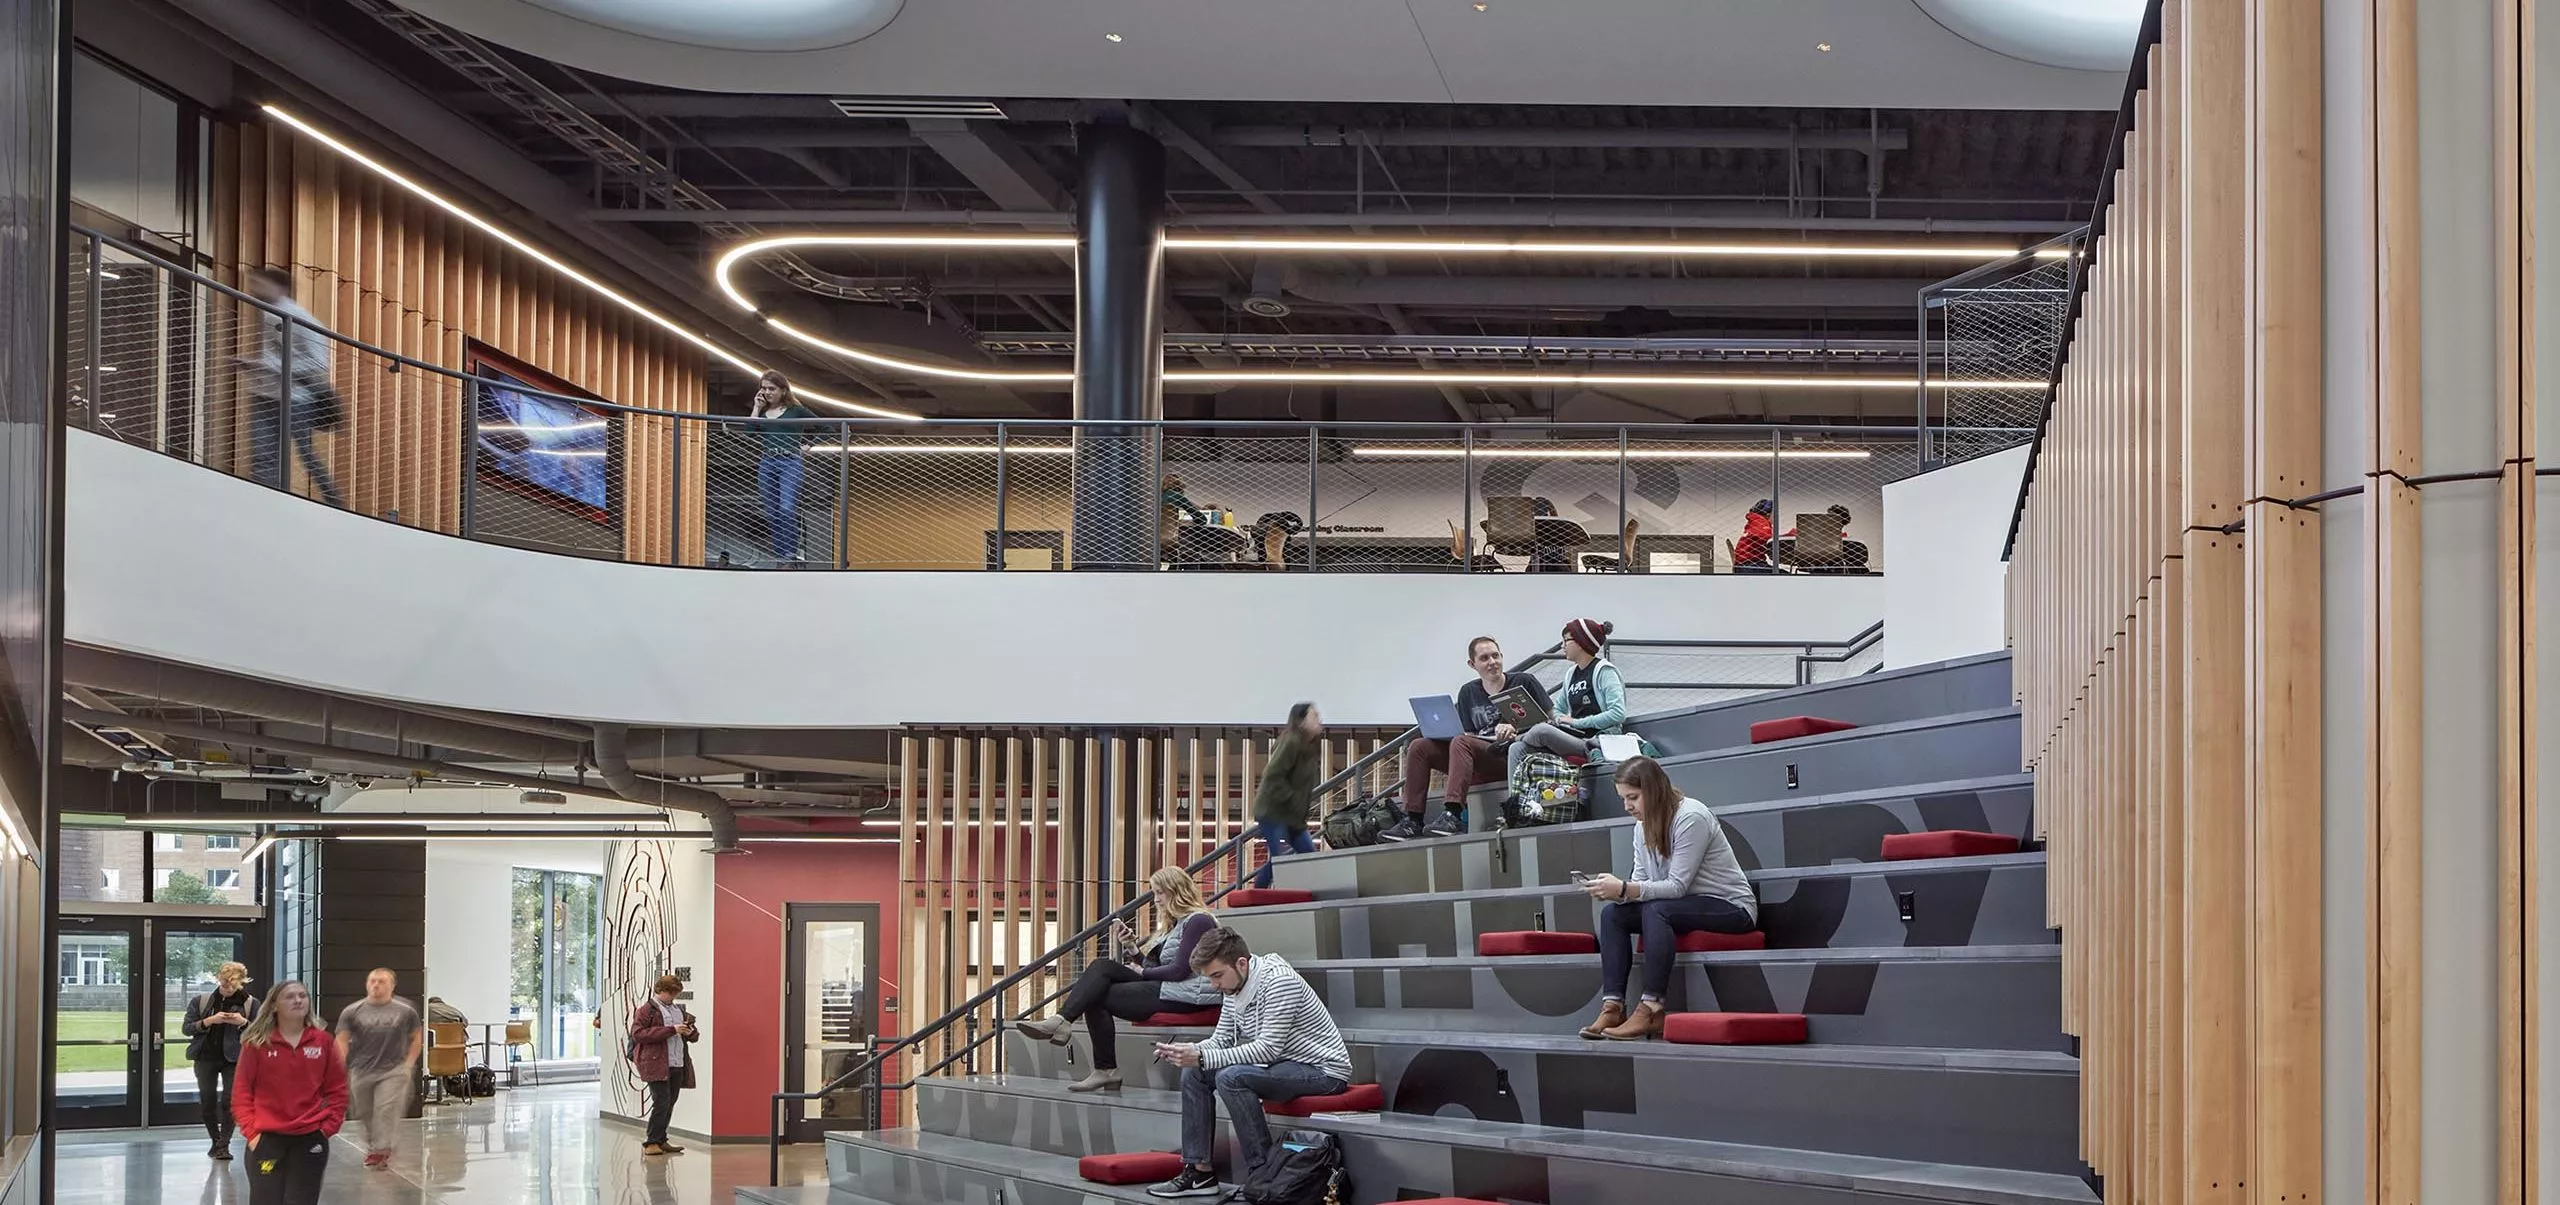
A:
2085, 35
724, 274
753, 25
546, 259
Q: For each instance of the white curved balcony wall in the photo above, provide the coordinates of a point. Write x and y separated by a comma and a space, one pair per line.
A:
172, 561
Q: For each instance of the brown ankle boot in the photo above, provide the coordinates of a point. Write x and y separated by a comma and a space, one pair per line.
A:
1644, 1024
1612, 1014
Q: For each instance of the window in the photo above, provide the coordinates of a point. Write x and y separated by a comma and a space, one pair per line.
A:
89, 962
160, 879
101, 865
221, 841
110, 883
222, 879
557, 969
167, 843
297, 910
131, 148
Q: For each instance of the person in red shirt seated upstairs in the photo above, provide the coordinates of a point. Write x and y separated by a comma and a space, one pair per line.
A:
1751, 552
289, 1097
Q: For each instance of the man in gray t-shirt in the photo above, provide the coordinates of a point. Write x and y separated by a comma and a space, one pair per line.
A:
378, 1039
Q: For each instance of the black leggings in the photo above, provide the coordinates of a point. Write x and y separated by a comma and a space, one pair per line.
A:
1107, 990
285, 1169
213, 1096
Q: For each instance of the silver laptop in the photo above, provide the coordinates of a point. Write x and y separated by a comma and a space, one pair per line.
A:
1437, 717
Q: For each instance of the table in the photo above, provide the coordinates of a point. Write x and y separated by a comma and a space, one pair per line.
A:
1207, 544
1557, 538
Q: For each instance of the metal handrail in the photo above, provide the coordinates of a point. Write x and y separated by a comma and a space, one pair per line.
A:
870, 1066
866, 1073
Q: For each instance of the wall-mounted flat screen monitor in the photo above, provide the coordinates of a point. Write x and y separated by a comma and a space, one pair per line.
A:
536, 441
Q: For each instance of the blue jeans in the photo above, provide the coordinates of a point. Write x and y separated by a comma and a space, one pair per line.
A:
1283, 840
1661, 922
1544, 738
778, 485
1243, 1088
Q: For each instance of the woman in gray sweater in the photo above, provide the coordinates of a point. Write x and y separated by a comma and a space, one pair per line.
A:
1145, 980
1686, 879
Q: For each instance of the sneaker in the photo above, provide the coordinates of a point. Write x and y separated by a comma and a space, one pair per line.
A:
1403, 830
377, 1158
1450, 824
1193, 1182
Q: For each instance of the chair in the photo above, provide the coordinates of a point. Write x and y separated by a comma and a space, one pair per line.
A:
520, 1033
1511, 525
444, 1061
1817, 543
1624, 562
449, 1033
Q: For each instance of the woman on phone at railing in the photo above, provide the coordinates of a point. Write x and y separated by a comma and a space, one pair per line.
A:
1140, 981
778, 468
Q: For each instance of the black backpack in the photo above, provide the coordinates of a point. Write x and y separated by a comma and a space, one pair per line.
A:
1359, 822
483, 1082
1304, 1167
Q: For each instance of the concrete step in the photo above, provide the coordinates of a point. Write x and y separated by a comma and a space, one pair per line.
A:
1788, 830
1978, 744
1394, 1156
1988, 901
2003, 998
1984, 1108
800, 1194
1890, 696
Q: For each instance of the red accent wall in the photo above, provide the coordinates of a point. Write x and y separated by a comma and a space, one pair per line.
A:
747, 938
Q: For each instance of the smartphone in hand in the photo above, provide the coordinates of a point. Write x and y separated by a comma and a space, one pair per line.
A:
1581, 877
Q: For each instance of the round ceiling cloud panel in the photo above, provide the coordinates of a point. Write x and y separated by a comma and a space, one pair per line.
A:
758, 25
2091, 35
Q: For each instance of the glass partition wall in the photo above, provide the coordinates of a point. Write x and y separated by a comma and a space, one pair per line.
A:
555, 965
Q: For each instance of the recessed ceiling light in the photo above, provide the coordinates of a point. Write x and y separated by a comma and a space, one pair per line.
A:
1824, 47
1480, 8
1114, 37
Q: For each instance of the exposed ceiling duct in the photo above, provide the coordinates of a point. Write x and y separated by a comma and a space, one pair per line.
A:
1606, 292
128, 675
613, 765
443, 771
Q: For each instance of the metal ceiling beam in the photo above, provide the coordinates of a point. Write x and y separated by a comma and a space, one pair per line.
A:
1183, 138
1606, 292
1545, 136
992, 161
1669, 215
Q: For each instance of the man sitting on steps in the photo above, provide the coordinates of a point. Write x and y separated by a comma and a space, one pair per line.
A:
1473, 756
1274, 1041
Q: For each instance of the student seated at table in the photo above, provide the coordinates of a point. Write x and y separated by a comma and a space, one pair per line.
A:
1853, 555
1686, 879
1595, 700
1751, 552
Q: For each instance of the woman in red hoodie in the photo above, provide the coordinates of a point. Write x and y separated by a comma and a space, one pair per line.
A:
290, 1097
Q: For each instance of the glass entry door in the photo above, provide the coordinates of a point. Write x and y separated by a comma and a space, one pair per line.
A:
831, 969
120, 1046
184, 957
98, 1028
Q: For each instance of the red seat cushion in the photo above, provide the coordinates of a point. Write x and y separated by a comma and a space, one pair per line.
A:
1257, 897
1132, 1167
1514, 945
1200, 1017
1358, 1098
1795, 726
1905, 847
1448, 1201
1734, 1029
1703, 942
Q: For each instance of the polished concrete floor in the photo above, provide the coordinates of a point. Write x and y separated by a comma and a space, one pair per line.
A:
527, 1146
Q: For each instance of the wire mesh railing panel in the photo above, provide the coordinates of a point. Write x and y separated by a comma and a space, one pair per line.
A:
1829, 503
909, 501
1998, 328
544, 472
1236, 500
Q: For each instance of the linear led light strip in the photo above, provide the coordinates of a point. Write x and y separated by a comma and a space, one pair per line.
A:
1391, 452
598, 287
724, 271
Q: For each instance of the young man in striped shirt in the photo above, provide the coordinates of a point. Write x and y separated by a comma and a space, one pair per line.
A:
1274, 1041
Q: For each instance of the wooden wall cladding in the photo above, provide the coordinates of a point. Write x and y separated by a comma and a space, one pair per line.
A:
1012, 840
2220, 591
381, 266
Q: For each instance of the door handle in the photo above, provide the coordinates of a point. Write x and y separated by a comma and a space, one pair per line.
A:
133, 1041
158, 1041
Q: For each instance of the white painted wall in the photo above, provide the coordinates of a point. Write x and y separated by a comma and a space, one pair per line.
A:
658, 898
470, 914
243, 578
1947, 594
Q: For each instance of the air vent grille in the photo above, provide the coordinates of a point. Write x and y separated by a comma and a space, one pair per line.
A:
918, 106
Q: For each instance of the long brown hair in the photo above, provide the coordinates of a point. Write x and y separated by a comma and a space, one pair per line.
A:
263, 1026
1661, 799
1177, 896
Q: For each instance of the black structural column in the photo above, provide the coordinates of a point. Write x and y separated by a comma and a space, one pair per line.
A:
1119, 344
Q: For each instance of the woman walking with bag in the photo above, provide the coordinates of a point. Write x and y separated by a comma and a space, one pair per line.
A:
290, 1099
213, 1025
1286, 802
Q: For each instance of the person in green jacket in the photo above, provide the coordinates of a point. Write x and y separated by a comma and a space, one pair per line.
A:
778, 466
1287, 799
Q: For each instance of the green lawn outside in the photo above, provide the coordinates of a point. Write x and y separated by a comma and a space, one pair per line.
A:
109, 1025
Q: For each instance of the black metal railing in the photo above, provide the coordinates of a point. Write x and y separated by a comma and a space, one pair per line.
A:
1807, 657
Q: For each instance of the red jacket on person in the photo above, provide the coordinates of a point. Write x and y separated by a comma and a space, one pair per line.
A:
1753, 547
297, 1087
647, 1049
